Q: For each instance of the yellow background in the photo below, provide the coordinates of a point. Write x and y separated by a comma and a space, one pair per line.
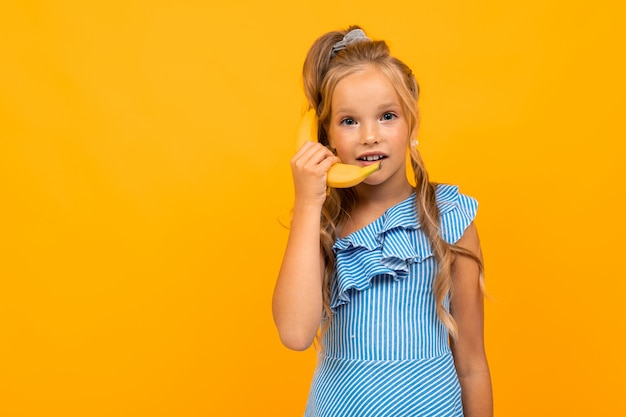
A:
144, 176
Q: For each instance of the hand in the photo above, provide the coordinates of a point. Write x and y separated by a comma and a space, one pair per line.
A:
309, 167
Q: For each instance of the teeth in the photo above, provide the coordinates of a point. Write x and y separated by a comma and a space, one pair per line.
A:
372, 158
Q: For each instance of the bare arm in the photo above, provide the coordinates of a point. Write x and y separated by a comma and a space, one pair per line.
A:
469, 349
297, 301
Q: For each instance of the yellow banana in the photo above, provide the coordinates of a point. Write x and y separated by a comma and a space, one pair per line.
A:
307, 130
346, 175
339, 175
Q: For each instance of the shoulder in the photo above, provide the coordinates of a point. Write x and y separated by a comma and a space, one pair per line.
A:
449, 197
457, 211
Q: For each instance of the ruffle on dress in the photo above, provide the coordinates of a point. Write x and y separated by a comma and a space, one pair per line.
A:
394, 241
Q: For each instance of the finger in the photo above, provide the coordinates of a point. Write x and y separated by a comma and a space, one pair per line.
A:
330, 161
306, 147
318, 156
312, 155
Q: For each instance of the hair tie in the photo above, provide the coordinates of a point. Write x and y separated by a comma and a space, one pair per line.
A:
355, 35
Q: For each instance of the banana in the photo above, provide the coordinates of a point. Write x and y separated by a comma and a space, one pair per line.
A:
339, 175
307, 129
346, 175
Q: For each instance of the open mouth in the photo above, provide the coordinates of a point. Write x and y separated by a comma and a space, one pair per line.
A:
372, 158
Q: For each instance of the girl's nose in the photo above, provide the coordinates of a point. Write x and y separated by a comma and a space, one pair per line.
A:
369, 137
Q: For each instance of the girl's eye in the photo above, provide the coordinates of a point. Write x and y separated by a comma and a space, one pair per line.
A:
388, 116
348, 121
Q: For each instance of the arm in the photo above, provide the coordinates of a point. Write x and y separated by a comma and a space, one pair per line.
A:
297, 300
466, 306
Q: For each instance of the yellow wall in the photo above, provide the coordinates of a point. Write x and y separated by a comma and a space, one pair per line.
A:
144, 152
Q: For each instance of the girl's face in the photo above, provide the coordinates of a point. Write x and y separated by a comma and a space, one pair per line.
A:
367, 123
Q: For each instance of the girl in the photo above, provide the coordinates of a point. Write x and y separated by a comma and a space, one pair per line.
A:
389, 276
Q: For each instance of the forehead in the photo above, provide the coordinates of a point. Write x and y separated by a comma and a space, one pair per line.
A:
369, 86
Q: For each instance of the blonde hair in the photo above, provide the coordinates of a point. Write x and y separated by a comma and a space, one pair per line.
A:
321, 74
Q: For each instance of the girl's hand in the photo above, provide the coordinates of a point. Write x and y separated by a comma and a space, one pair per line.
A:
309, 167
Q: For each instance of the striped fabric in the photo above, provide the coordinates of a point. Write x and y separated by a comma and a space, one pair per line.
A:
386, 353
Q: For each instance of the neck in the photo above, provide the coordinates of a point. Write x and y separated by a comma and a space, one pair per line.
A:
382, 196
371, 202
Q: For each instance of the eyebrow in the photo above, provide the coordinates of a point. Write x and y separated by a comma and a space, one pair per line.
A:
390, 104
380, 107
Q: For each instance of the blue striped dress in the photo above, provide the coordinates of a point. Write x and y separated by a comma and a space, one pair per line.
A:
386, 353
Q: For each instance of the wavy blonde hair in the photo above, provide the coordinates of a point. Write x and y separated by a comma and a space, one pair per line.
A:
321, 74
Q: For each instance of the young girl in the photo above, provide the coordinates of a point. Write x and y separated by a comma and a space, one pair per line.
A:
389, 276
